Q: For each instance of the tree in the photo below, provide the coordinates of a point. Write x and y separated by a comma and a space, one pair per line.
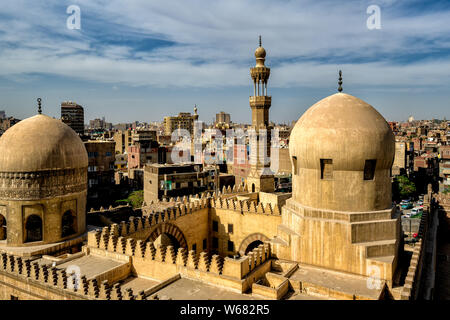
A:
403, 188
135, 199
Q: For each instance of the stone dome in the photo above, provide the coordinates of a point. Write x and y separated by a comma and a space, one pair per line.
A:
41, 143
346, 132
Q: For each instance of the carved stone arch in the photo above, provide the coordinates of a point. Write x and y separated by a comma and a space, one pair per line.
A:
170, 229
249, 240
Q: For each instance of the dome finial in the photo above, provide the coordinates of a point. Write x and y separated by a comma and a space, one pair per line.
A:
260, 44
340, 81
39, 105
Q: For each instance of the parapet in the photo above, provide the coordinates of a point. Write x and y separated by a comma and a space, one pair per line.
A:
61, 283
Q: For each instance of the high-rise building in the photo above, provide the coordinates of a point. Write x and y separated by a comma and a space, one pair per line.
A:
72, 114
184, 120
223, 117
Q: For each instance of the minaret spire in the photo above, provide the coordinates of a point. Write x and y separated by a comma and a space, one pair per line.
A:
39, 105
260, 44
340, 81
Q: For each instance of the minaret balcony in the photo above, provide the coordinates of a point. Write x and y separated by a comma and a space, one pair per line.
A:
260, 101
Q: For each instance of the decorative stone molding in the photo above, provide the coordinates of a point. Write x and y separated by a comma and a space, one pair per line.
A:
41, 185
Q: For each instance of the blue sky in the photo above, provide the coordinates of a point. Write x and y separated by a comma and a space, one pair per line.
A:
144, 59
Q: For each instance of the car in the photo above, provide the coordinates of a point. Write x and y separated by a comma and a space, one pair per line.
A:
407, 206
416, 211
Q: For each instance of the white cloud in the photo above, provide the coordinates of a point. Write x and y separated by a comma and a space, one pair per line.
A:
222, 36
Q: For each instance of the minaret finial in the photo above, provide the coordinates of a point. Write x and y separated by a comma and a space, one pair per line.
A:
340, 81
39, 105
260, 41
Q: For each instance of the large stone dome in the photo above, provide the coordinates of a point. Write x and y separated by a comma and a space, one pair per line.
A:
346, 134
41, 143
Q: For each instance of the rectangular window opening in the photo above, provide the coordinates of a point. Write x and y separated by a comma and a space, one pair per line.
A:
326, 169
294, 164
230, 246
369, 169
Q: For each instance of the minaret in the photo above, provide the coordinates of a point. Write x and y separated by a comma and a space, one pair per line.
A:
260, 177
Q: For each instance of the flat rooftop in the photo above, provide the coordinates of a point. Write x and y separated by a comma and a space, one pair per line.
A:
91, 266
337, 281
187, 289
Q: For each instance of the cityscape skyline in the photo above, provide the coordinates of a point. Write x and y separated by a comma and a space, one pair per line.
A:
152, 61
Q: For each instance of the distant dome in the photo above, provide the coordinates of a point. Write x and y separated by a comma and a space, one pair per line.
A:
346, 132
41, 143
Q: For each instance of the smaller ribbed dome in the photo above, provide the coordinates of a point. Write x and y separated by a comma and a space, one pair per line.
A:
41, 143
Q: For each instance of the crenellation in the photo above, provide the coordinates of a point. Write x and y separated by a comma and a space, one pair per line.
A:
181, 259
10, 264
160, 254
140, 249
116, 292
4, 263
203, 262
130, 246
62, 279
192, 260
170, 255
19, 265
93, 289
121, 245
115, 230
216, 264
123, 229
28, 268
43, 274
53, 275
150, 251
84, 288
34, 274
105, 290
139, 224
112, 242
128, 294
131, 226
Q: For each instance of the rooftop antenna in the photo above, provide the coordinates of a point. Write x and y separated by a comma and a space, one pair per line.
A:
340, 81
39, 105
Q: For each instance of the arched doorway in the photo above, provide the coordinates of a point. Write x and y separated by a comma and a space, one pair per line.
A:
166, 239
253, 187
169, 234
68, 224
253, 245
251, 242
3, 232
33, 228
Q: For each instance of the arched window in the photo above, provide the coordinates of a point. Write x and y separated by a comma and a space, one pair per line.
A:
2, 227
68, 224
253, 187
33, 228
